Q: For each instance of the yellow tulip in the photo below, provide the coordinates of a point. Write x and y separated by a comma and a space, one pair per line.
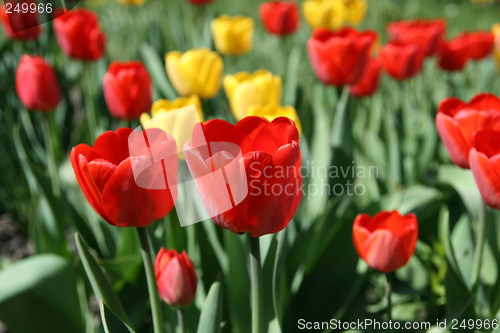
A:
131, 2
232, 35
355, 11
176, 118
496, 33
324, 13
270, 112
245, 89
196, 72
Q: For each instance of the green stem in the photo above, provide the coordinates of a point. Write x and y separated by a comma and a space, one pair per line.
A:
478, 250
388, 293
90, 95
150, 276
180, 320
48, 130
257, 287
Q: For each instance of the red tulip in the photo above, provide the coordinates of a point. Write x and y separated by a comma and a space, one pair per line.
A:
200, 2
457, 122
175, 277
280, 17
386, 241
401, 61
425, 33
484, 160
122, 187
248, 174
368, 84
19, 25
340, 57
127, 90
479, 44
79, 35
36, 84
453, 54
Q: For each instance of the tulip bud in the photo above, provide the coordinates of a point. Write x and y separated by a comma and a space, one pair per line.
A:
232, 35
328, 14
175, 277
369, 82
244, 89
79, 35
127, 90
196, 72
19, 25
280, 17
386, 241
36, 84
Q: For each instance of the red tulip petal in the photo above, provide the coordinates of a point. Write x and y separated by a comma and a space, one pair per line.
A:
487, 178
485, 101
127, 204
384, 252
453, 139
113, 146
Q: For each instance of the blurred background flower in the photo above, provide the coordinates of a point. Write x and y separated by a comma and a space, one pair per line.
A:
197, 71
233, 34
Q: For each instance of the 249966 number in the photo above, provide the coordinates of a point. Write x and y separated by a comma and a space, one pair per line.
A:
474, 324
26, 7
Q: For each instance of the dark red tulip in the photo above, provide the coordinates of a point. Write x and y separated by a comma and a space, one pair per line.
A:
19, 25
175, 277
248, 174
453, 55
386, 241
457, 121
127, 90
427, 34
37, 84
280, 17
479, 44
401, 60
127, 189
368, 84
339, 58
484, 160
79, 35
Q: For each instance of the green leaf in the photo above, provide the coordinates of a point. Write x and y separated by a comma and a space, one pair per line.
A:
463, 182
156, 68
99, 282
211, 314
39, 294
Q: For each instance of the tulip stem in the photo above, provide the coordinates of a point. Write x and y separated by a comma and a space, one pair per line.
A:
89, 93
180, 320
150, 276
478, 251
257, 287
48, 131
388, 293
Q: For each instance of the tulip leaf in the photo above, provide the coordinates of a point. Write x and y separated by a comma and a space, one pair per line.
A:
211, 314
157, 70
99, 282
463, 183
39, 294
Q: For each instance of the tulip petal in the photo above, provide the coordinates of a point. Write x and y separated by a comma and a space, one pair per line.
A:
487, 178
